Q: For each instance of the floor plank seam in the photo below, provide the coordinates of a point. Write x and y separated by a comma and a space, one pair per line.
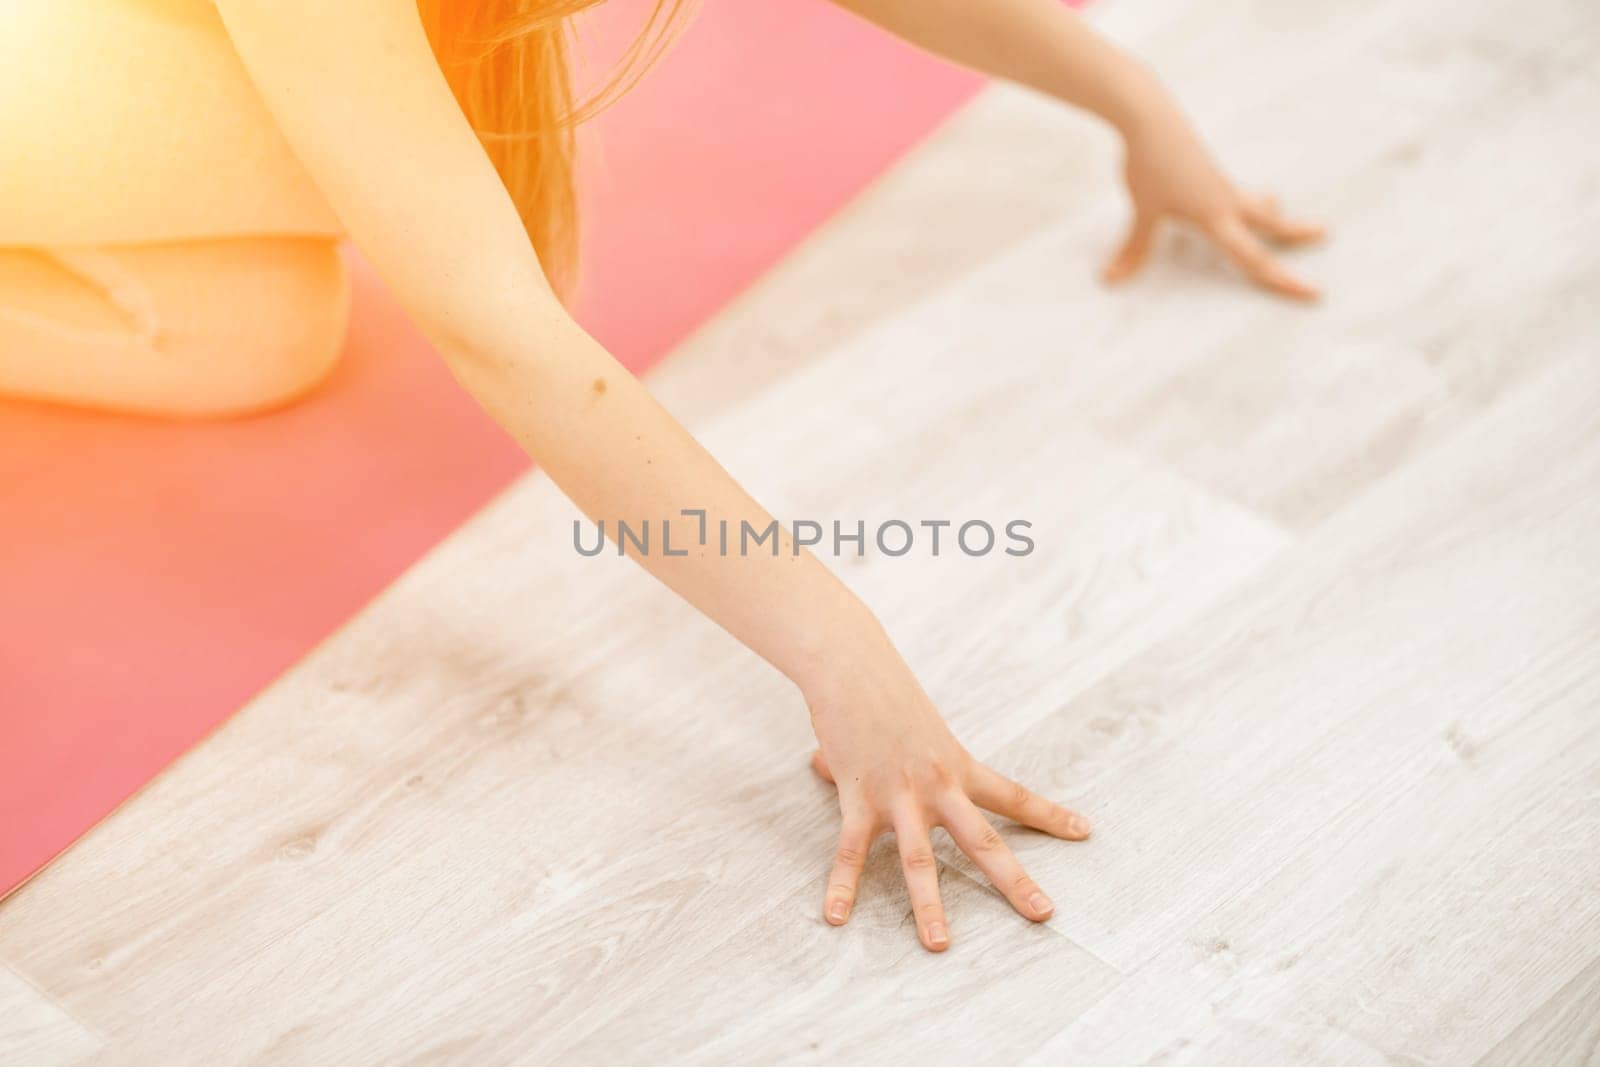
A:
10, 967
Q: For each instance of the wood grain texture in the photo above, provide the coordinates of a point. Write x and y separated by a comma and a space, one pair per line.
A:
1312, 632
1420, 863
36, 1031
1562, 1032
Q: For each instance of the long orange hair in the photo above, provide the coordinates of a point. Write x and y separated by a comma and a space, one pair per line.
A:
509, 64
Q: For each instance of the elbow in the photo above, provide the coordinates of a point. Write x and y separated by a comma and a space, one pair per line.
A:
507, 369
492, 373
472, 357
500, 339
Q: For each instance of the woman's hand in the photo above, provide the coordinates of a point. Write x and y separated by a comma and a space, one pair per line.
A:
1044, 45
898, 769
1171, 175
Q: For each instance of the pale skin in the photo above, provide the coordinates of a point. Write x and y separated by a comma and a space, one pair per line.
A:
356, 91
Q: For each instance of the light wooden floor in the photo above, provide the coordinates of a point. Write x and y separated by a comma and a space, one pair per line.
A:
1312, 633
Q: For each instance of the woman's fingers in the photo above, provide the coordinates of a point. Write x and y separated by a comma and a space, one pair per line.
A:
922, 880
1263, 215
1251, 256
974, 835
1236, 236
1135, 248
855, 841
999, 794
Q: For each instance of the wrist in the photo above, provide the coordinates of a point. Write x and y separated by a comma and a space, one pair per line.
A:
851, 649
1135, 99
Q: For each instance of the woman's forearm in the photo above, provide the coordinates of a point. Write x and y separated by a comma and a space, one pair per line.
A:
1042, 44
619, 455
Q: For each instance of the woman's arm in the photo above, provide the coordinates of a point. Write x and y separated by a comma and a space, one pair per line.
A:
355, 87
357, 91
1044, 45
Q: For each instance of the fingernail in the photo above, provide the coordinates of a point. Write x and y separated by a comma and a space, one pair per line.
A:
938, 935
1079, 825
837, 911
1040, 904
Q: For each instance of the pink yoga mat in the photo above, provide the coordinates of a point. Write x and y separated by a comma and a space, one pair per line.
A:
154, 577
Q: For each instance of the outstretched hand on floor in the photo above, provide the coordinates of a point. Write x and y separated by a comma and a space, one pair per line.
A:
1170, 175
898, 768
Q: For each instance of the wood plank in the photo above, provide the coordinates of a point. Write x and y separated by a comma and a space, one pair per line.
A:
1563, 1032
36, 1031
1391, 735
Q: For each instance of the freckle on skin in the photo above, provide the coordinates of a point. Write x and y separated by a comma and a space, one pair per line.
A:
599, 386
